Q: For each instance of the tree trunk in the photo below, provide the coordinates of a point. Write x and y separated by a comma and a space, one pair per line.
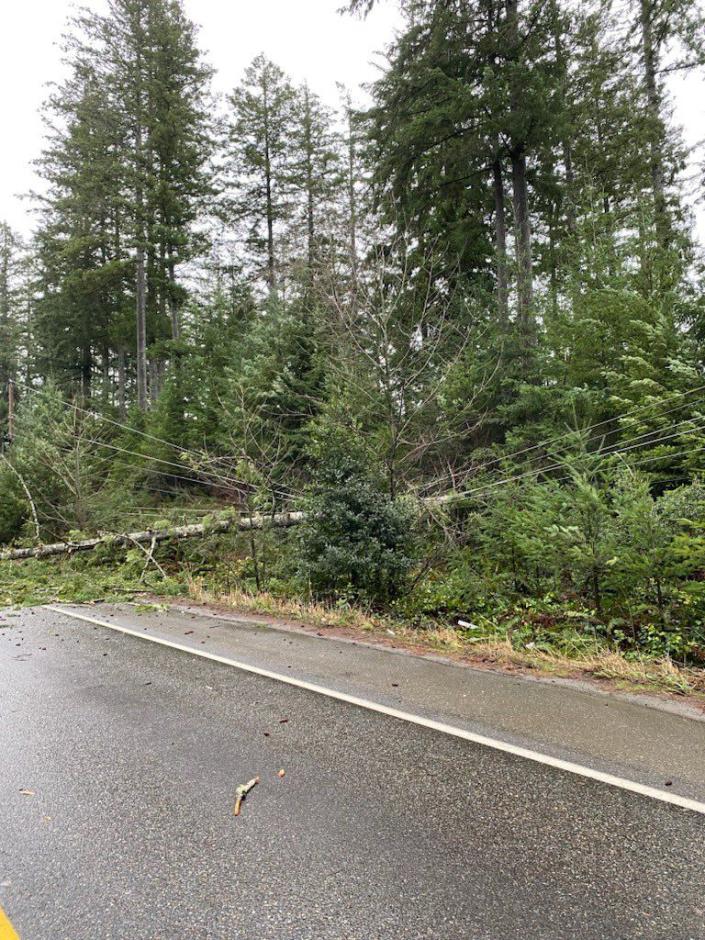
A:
121, 397
11, 410
174, 312
106, 393
155, 374
500, 228
352, 201
653, 100
566, 143
86, 369
141, 281
141, 353
522, 223
271, 261
245, 524
310, 204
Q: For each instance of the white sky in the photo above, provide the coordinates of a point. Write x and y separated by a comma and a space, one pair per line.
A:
307, 38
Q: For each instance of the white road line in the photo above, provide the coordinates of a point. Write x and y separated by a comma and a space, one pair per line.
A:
568, 766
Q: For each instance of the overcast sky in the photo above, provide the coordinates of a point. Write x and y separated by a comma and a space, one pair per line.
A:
307, 38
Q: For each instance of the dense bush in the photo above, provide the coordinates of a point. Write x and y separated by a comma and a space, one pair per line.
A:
13, 508
357, 542
597, 558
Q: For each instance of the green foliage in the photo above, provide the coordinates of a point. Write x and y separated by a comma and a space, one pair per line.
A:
484, 288
601, 560
80, 579
357, 542
54, 452
13, 506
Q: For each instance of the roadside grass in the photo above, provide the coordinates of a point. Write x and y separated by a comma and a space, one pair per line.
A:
629, 673
32, 582
84, 579
316, 614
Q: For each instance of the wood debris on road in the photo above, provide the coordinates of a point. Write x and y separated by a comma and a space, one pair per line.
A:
242, 792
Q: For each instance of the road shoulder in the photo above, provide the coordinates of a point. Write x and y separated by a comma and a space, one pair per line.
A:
614, 735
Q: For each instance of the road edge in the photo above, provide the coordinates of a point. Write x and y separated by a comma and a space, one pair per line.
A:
622, 783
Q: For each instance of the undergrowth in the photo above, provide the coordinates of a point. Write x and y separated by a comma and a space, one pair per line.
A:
633, 672
213, 571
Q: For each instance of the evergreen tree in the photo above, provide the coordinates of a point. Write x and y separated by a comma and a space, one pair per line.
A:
315, 180
663, 27
469, 102
259, 162
126, 167
82, 261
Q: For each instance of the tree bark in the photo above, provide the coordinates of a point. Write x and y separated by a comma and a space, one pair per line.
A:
500, 227
247, 523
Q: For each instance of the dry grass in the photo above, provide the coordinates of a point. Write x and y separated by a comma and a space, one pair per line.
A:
319, 615
629, 674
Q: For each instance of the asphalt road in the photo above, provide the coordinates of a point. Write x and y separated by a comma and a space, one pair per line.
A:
380, 830
611, 733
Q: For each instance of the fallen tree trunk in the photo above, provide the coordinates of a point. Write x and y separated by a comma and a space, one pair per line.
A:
280, 520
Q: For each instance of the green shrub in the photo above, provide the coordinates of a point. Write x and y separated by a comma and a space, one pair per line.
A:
357, 543
13, 508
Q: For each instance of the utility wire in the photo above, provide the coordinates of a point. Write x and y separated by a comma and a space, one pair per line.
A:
601, 455
619, 417
282, 492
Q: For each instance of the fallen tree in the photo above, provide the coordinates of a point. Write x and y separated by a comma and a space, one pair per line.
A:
279, 520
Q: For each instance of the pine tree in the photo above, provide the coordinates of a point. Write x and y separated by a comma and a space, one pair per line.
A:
259, 163
80, 244
663, 27
314, 179
126, 166
461, 117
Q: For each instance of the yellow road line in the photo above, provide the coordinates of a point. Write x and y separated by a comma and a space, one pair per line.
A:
7, 931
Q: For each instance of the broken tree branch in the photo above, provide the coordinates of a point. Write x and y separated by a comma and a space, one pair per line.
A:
28, 495
242, 792
279, 520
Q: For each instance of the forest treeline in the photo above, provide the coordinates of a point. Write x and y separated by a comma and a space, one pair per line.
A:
461, 325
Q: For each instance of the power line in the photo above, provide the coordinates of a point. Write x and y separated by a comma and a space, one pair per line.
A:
616, 451
231, 483
228, 485
619, 417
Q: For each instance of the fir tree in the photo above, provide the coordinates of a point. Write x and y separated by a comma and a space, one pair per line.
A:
259, 162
